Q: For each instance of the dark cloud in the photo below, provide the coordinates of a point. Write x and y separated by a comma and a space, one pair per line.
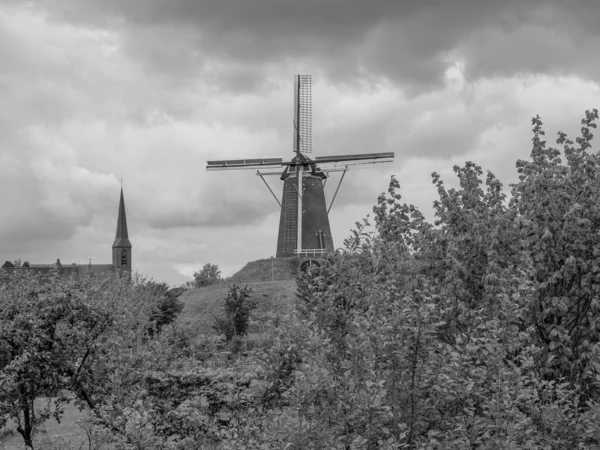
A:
553, 41
229, 43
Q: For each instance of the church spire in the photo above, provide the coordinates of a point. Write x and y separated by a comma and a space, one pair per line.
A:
122, 237
122, 246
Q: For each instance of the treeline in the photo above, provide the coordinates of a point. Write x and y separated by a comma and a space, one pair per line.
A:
476, 330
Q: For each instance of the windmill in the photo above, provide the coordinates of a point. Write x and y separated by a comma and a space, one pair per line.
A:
304, 221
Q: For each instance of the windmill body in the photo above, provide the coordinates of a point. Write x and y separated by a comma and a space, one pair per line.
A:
304, 228
313, 222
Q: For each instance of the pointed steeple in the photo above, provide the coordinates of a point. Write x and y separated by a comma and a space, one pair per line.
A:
121, 249
122, 237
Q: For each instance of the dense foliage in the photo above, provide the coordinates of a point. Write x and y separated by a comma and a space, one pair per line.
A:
476, 330
47, 332
75, 334
210, 274
167, 306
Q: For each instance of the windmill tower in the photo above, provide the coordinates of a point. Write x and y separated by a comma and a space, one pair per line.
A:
304, 228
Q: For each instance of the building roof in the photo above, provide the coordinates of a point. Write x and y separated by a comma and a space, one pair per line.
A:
122, 237
67, 269
96, 268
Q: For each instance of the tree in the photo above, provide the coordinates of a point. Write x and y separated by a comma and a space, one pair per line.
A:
167, 306
7, 264
236, 313
558, 230
129, 355
88, 335
210, 274
47, 332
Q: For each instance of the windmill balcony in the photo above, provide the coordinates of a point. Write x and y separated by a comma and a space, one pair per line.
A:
307, 252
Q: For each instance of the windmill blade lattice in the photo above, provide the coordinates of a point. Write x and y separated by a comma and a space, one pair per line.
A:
303, 114
248, 163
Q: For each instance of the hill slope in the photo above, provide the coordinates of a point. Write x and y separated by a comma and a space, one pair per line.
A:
201, 305
270, 269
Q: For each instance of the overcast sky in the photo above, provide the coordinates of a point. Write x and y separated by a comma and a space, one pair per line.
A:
148, 90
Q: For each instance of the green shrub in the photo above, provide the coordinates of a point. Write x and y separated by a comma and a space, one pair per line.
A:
210, 274
236, 313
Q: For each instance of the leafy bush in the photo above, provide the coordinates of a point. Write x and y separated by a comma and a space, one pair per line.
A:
167, 306
210, 274
236, 315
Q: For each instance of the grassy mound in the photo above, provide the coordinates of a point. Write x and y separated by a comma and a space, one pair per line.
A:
271, 269
201, 305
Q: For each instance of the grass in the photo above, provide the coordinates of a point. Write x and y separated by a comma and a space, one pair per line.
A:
272, 269
203, 304
66, 434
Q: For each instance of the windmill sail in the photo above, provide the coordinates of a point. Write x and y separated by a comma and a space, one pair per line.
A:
366, 157
254, 163
343, 162
303, 114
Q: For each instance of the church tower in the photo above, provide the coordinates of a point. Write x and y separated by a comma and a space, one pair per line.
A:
121, 249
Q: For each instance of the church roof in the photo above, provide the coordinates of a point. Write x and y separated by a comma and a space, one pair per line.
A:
122, 237
96, 268
70, 270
